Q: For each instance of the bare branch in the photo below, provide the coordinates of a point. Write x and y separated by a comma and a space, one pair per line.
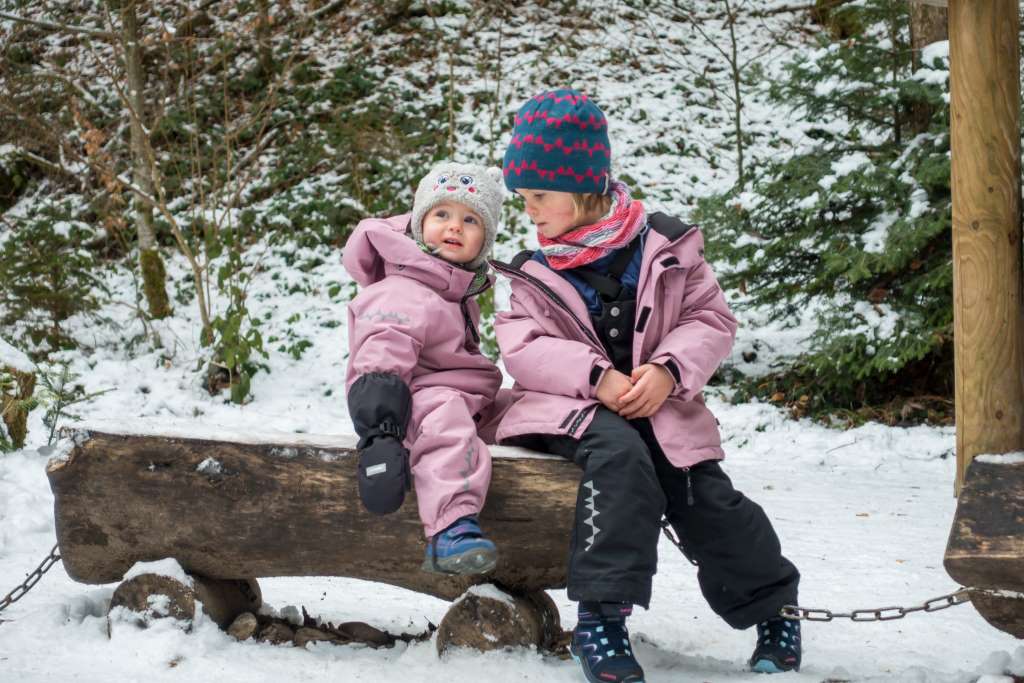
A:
65, 28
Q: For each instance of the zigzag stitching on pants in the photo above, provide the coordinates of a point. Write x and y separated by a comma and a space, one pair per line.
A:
591, 503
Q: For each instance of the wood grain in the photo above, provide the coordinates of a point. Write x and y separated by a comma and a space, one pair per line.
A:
985, 140
986, 542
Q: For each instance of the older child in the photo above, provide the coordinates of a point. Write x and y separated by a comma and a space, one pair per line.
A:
616, 324
416, 377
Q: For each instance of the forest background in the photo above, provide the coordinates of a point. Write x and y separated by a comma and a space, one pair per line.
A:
177, 180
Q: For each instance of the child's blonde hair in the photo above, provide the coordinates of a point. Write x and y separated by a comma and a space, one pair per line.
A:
588, 203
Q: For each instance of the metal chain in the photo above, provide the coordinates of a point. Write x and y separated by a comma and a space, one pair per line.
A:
958, 597
33, 578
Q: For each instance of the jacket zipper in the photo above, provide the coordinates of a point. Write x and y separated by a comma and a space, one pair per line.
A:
508, 270
465, 310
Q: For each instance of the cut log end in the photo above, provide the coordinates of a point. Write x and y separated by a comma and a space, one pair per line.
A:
489, 619
153, 596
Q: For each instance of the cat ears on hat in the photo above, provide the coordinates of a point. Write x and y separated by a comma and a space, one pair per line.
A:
497, 176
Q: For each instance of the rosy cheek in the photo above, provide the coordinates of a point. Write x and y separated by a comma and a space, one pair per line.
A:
472, 189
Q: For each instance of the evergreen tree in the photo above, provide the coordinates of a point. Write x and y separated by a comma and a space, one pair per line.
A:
46, 277
853, 231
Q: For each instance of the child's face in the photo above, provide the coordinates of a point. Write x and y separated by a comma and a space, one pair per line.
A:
553, 213
454, 231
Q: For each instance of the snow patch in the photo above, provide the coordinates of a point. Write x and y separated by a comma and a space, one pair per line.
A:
1014, 458
210, 466
938, 50
168, 567
13, 358
488, 590
292, 615
878, 232
61, 451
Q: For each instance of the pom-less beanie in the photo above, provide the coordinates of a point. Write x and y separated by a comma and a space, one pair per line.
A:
560, 143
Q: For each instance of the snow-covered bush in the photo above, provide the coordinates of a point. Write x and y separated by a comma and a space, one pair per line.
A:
852, 233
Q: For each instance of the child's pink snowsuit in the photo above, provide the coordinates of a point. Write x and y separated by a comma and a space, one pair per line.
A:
413, 318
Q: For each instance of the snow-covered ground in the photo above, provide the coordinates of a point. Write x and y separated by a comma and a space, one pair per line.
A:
864, 513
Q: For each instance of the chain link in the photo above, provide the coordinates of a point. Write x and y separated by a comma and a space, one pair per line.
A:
958, 597
33, 578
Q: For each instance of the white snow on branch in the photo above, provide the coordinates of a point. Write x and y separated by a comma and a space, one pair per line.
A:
13, 358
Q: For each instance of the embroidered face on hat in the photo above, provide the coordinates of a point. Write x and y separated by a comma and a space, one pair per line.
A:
559, 142
470, 185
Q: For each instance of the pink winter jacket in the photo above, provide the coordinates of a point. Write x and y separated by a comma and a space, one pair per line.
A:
410, 319
550, 347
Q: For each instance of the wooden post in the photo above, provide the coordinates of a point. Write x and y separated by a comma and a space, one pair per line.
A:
985, 141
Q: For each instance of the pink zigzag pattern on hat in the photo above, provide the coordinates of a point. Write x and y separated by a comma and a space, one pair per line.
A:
549, 174
575, 99
578, 146
594, 122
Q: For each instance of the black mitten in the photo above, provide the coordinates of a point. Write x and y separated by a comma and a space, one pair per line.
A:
380, 405
384, 475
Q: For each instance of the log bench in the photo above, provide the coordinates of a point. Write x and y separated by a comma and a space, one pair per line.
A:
986, 543
233, 511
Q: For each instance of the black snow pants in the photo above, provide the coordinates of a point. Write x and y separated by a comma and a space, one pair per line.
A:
626, 487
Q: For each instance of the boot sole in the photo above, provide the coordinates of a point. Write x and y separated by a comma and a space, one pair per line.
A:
591, 679
768, 666
479, 561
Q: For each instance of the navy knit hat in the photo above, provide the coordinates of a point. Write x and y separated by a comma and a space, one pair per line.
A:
560, 143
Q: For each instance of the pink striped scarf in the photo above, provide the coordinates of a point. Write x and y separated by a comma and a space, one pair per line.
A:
587, 243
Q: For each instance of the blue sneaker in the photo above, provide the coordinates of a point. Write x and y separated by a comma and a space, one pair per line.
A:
600, 644
778, 646
460, 549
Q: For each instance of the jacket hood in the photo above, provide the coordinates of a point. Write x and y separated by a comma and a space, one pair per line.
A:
382, 246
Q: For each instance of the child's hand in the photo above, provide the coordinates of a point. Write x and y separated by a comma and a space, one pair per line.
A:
611, 389
652, 384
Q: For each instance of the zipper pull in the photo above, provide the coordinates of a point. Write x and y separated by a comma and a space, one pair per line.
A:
689, 487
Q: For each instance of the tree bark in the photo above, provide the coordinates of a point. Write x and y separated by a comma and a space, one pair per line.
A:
928, 24
235, 510
266, 55
12, 412
154, 276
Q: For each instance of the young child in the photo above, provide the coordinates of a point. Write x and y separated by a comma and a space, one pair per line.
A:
616, 324
416, 378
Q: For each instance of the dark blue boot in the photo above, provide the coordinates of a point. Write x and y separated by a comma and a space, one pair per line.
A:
778, 646
600, 643
461, 548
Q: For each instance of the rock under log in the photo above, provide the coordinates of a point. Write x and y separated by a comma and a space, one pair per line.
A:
486, 618
986, 542
152, 596
231, 510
